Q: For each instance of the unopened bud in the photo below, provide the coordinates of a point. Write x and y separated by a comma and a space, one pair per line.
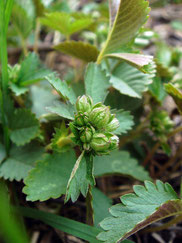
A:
112, 125
114, 142
84, 104
100, 142
81, 120
86, 135
99, 116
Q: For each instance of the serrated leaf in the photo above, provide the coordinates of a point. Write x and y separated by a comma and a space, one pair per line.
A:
96, 82
24, 126
125, 121
50, 176
176, 94
78, 49
24, 27
129, 81
62, 88
66, 23
80, 178
157, 89
126, 18
119, 162
147, 205
18, 90
101, 205
31, 71
20, 161
141, 62
62, 110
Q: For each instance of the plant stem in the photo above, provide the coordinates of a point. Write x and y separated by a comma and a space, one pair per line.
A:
5, 11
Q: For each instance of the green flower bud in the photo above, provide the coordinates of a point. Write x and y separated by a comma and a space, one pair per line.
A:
86, 135
112, 125
81, 120
114, 142
86, 146
100, 142
99, 116
84, 104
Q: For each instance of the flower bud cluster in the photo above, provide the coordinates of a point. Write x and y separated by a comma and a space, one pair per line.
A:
93, 127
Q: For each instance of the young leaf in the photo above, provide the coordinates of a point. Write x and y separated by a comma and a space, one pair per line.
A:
101, 205
80, 178
24, 127
126, 18
176, 94
96, 82
125, 121
62, 88
78, 49
147, 205
20, 161
50, 176
31, 71
66, 23
62, 110
129, 81
141, 62
119, 162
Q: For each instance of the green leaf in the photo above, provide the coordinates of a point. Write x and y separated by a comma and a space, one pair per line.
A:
31, 71
125, 121
96, 82
129, 81
18, 90
62, 88
176, 94
23, 28
80, 230
50, 176
119, 163
2, 153
141, 62
126, 18
20, 161
147, 205
78, 49
157, 89
62, 110
66, 23
39, 8
24, 127
101, 205
80, 178
41, 97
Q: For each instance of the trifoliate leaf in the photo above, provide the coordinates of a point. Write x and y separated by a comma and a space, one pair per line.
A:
126, 18
20, 161
24, 127
62, 110
129, 81
62, 88
66, 23
80, 178
50, 176
78, 49
176, 94
96, 82
125, 121
137, 210
101, 205
119, 162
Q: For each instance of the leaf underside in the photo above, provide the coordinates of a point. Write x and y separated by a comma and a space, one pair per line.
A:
78, 49
137, 210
